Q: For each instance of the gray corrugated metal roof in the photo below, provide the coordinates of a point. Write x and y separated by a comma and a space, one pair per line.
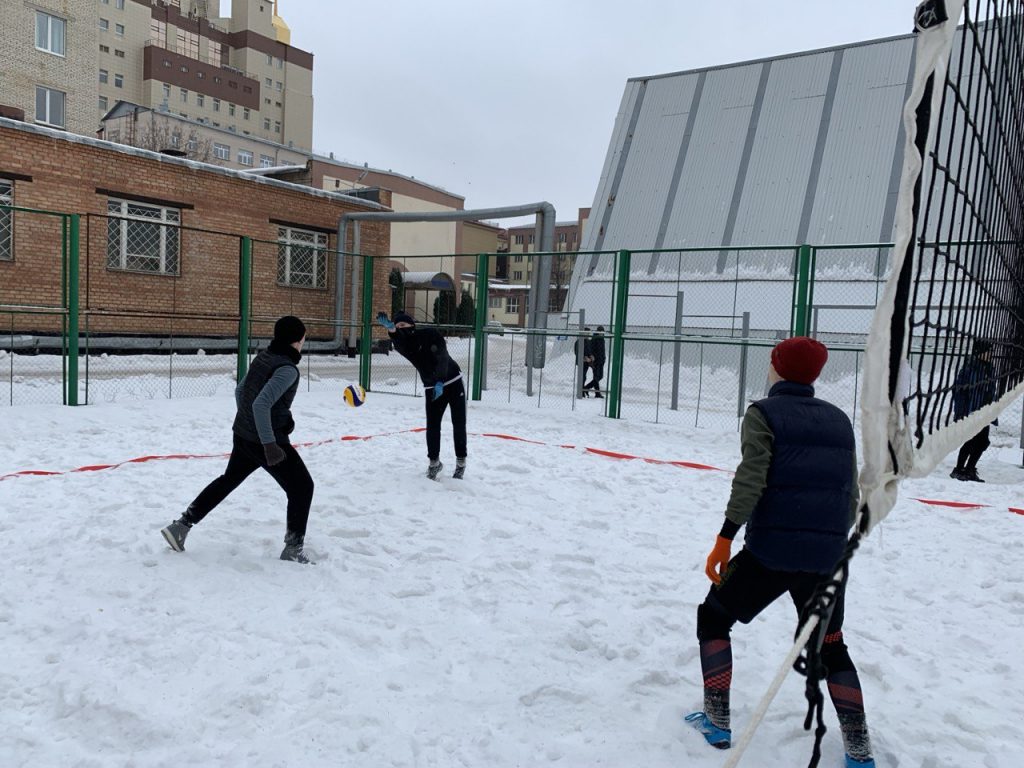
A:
799, 148
771, 151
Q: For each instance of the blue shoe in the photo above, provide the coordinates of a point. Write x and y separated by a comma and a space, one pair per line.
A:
851, 763
719, 738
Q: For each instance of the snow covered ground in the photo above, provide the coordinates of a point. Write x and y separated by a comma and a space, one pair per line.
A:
540, 612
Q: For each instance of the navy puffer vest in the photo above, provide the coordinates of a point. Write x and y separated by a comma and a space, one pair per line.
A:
260, 371
801, 520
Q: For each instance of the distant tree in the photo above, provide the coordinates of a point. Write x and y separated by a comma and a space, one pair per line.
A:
397, 283
444, 308
466, 313
160, 136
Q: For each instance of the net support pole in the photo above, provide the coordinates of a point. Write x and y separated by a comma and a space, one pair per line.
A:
244, 305
618, 329
366, 322
677, 330
741, 405
73, 307
479, 320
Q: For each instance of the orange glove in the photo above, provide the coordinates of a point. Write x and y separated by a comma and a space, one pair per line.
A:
718, 560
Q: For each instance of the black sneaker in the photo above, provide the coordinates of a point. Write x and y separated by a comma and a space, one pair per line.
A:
460, 469
434, 470
957, 474
598, 394
175, 534
972, 475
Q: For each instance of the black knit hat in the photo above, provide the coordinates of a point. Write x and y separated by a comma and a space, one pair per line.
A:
289, 329
402, 317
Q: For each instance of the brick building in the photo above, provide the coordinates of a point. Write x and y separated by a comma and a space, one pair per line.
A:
160, 240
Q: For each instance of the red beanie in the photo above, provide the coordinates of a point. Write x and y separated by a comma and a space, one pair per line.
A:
799, 359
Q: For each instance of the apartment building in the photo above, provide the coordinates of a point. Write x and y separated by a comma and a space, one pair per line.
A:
522, 245
67, 63
48, 62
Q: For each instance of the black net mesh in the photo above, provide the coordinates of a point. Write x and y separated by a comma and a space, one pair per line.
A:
965, 293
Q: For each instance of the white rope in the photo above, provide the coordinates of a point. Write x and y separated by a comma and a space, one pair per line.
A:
805, 634
766, 700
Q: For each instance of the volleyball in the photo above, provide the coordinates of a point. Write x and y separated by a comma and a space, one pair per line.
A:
354, 395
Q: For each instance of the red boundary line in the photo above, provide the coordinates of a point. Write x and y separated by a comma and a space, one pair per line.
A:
497, 435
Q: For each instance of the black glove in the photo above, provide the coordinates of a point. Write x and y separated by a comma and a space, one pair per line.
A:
275, 454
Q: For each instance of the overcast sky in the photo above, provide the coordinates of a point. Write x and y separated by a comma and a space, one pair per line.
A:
509, 103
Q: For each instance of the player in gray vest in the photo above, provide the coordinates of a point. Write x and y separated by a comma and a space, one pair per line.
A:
796, 491
261, 428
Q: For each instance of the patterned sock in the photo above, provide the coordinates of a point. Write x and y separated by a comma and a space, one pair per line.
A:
716, 664
844, 688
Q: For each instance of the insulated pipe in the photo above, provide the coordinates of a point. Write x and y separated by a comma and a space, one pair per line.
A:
544, 209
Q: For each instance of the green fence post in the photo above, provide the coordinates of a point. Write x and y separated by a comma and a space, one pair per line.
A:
618, 328
365, 341
802, 292
244, 305
479, 320
73, 301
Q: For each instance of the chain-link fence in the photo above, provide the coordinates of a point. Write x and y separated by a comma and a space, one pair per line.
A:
35, 252
160, 308
685, 333
436, 291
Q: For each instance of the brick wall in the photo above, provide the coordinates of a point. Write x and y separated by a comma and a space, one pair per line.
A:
217, 207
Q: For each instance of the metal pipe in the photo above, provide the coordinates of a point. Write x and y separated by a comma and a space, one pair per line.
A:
545, 209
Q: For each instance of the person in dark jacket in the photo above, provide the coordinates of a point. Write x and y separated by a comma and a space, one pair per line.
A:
425, 348
973, 388
260, 431
796, 491
587, 359
596, 361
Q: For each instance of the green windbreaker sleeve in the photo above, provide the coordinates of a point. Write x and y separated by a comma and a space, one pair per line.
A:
752, 473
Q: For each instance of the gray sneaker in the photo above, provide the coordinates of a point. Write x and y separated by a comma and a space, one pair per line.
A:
175, 534
434, 470
292, 551
460, 469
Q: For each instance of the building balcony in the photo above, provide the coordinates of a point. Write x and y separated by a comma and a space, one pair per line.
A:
214, 80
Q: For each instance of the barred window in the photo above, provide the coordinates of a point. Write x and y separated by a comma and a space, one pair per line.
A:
142, 237
301, 258
6, 221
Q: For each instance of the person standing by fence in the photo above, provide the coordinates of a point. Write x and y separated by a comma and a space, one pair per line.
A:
973, 388
586, 359
597, 357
